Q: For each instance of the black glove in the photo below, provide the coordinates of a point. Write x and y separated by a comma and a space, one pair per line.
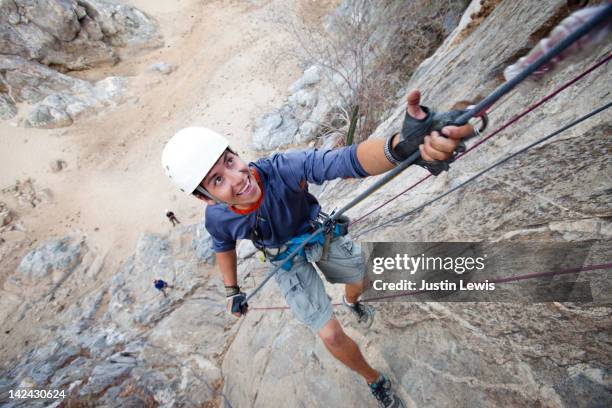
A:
234, 303
413, 134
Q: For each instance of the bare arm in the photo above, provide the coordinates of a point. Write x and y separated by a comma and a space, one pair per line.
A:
371, 156
228, 266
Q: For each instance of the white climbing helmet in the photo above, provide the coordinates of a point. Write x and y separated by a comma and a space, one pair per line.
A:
190, 154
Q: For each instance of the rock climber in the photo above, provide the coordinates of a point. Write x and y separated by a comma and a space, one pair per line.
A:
268, 202
172, 218
162, 285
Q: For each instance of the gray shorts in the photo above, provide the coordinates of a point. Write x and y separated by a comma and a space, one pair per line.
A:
303, 288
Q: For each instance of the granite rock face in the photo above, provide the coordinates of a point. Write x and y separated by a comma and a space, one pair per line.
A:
70, 34
39, 41
125, 344
484, 354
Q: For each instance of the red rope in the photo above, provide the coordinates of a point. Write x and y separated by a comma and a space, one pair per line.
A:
504, 126
514, 278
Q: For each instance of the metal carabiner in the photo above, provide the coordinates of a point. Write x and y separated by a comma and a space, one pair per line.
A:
484, 121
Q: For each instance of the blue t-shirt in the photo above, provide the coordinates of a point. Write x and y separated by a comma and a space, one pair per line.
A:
288, 208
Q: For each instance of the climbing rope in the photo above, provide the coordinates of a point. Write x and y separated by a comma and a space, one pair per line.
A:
498, 130
499, 163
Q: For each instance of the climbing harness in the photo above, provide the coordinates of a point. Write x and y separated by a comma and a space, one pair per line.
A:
331, 229
334, 227
293, 244
456, 118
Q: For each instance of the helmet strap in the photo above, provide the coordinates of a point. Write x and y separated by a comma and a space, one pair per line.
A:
206, 194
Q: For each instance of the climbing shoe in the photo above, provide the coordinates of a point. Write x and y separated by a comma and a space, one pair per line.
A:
381, 389
363, 313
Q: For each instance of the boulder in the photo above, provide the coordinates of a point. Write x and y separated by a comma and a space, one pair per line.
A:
123, 25
41, 38
52, 259
57, 99
161, 67
275, 130
30, 81
49, 115
311, 76
61, 109
72, 35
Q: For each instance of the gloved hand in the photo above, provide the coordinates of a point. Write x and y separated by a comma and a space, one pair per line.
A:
436, 151
233, 304
414, 130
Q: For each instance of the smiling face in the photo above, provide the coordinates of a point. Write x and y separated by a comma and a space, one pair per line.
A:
231, 182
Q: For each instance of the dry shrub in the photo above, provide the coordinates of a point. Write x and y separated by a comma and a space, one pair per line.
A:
368, 51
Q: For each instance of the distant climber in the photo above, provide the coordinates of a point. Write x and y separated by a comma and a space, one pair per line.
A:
162, 285
172, 218
268, 202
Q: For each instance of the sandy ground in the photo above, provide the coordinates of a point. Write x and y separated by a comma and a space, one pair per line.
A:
232, 65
